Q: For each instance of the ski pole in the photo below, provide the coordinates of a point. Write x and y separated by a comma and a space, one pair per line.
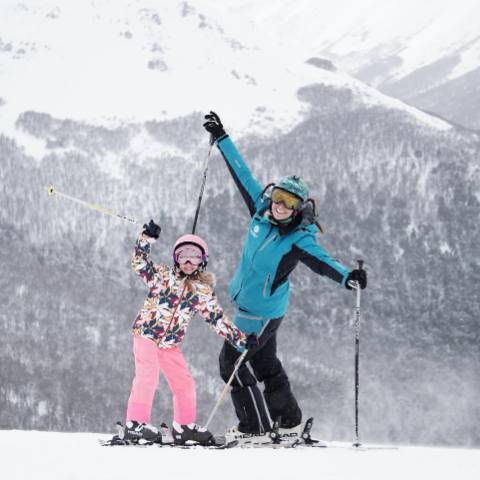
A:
204, 181
230, 380
356, 285
98, 208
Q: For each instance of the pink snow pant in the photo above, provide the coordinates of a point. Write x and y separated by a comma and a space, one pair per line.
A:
149, 362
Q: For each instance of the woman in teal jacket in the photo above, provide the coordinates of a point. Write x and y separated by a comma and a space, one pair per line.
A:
282, 232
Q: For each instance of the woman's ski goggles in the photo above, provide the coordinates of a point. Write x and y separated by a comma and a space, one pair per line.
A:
291, 201
189, 253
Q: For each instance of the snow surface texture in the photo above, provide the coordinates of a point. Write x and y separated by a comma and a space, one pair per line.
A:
41, 455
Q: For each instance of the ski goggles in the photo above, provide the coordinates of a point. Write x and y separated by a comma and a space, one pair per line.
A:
187, 254
289, 200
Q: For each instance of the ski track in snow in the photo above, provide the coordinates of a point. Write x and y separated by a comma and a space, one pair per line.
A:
78, 456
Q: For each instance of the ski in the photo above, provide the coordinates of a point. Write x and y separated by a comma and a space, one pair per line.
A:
295, 438
217, 444
162, 439
306, 437
278, 438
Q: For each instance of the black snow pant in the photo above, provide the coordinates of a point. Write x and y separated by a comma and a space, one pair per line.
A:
254, 410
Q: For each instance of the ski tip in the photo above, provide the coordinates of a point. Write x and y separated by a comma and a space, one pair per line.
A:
51, 190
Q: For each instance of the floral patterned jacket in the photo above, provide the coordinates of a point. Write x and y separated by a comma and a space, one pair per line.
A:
170, 305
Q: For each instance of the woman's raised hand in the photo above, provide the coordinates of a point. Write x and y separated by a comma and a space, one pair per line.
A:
214, 126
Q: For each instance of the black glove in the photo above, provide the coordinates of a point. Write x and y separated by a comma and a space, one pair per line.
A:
214, 126
152, 229
359, 276
252, 342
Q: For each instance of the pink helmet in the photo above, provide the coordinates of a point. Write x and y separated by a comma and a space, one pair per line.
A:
192, 240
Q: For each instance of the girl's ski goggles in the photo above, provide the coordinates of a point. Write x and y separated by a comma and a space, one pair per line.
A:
291, 201
190, 254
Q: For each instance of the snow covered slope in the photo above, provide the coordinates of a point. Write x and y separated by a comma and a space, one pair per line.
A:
361, 33
65, 456
404, 48
111, 61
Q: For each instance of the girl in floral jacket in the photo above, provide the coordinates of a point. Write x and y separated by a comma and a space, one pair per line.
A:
175, 295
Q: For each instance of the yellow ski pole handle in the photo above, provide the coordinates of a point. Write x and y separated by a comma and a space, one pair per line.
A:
98, 208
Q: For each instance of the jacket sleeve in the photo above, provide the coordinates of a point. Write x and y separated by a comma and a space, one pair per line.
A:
249, 187
213, 314
318, 260
142, 265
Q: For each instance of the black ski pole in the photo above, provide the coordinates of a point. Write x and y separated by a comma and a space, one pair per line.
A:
357, 356
202, 188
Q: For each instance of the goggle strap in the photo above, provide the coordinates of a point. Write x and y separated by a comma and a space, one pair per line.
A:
264, 191
317, 223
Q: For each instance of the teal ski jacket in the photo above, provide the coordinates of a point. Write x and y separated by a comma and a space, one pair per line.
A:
260, 286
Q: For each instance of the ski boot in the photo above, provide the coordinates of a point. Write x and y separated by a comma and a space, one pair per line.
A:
135, 432
289, 435
233, 434
191, 433
298, 435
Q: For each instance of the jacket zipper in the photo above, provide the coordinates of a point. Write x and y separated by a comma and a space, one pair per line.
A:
173, 315
270, 240
265, 286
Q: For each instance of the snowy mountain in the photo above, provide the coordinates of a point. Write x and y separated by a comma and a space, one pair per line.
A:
105, 101
408, 50
131, 56
426, 53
